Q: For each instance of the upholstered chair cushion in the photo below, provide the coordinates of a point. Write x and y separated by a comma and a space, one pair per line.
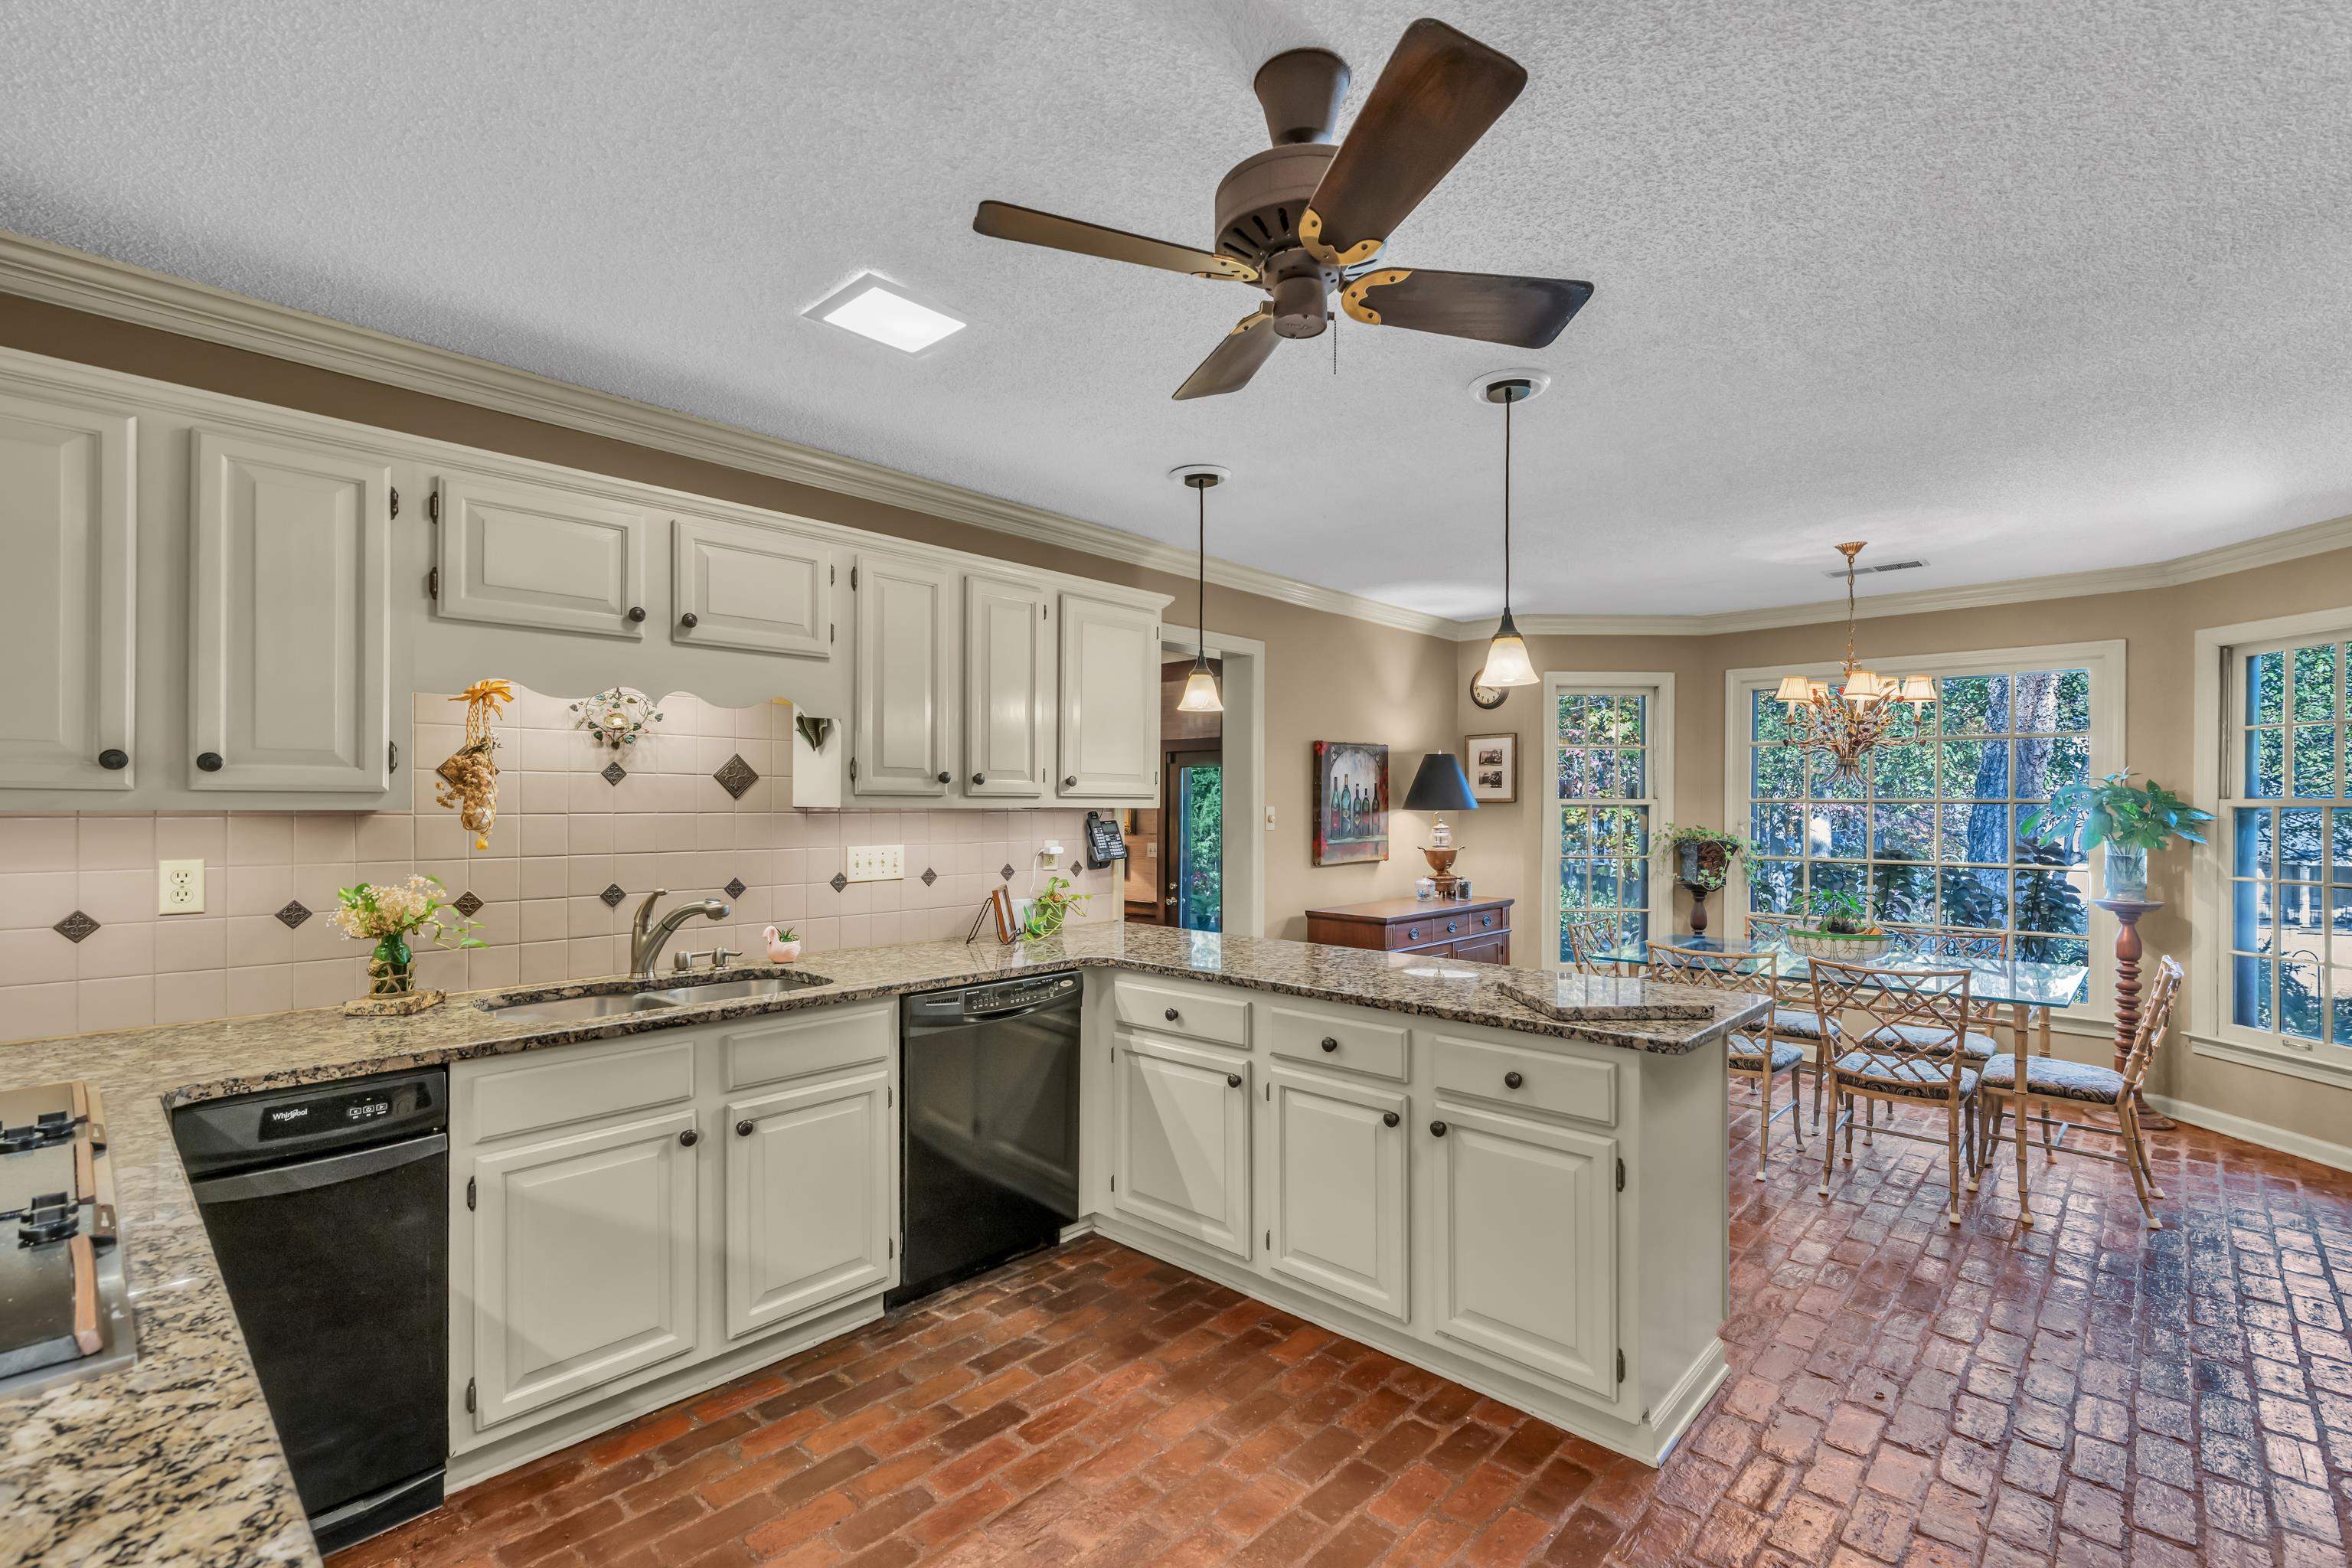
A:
1926, 1080
1934, 1042
1802, 1023
2059, 1078
1748, 1059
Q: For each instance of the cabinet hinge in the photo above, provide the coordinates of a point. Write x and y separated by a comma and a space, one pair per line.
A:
396, 500
392, 756
1269, 1241
828, 631
1114, 1183
470, 1192
892, 1245
433, 584
831, 574
853, 770
433, 506
1621, 1175
889, 1097
853, 579
1621, 1366
469, 1394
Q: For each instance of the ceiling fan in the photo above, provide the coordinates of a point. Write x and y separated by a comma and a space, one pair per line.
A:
1305, 218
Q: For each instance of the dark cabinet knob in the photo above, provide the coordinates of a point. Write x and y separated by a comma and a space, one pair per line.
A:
1449, 928
1071, 782
1437, 1129
689, 620
943, 776
1172, 1014
1412, 933
980, 778
690, 1137
208, 761
114, 759
636, 612
1330, 1043
742, 1130
1387, 1119
1233, 1080
1512, 1081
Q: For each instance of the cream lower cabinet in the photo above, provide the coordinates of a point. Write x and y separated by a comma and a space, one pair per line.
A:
788, 1250
1525, 1244
1338, 1196
1180, 1140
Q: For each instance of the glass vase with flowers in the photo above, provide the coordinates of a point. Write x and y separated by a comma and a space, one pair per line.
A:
394, 916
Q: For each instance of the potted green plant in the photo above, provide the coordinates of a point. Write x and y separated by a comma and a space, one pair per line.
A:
2128, 819
1050, 911
1702, 862
1839, 927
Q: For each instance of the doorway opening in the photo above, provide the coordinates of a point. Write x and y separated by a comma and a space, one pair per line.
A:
1176, 848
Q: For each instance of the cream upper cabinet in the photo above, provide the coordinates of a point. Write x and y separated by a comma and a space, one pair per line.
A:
899, 726
586, 1262
289, 617
526, 554
1337, 1166
809, 1184
1111, 700
1006, 705
741, 584
1525, 1249
1180, 1140
67, 610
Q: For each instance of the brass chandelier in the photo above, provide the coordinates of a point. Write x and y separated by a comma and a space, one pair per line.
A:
1843, 726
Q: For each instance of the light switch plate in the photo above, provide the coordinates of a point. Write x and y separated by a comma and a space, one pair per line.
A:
179, 887
877, 862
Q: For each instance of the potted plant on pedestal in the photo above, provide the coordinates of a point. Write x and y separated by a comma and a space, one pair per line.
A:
2129, 820
1701, 858
1838, 927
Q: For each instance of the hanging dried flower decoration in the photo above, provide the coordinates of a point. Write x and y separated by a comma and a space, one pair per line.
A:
469, 779
617, 717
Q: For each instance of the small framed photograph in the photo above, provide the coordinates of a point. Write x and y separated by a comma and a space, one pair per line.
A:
1493, 764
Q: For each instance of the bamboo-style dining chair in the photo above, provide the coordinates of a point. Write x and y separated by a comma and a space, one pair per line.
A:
1794, 1020
1586, 943
1902, 1039
2053, 1082
1752, 1051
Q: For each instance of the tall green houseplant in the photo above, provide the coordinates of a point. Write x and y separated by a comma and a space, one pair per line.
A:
2127, 818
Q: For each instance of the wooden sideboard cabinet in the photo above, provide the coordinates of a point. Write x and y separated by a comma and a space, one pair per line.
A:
1475, 929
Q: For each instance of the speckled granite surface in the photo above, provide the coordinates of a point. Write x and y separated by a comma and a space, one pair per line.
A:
174, 1461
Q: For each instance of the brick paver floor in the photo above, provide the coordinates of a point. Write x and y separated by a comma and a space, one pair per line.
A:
2086, 1393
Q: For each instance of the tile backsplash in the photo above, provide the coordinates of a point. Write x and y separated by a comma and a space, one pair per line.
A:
567, 834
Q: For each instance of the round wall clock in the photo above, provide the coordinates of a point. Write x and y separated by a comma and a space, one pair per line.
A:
1488, 697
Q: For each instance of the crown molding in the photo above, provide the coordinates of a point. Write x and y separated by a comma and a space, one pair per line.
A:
77, 280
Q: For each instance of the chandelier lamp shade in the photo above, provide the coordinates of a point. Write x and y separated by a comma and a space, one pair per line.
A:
1843, 724
1201, 691
1507, 663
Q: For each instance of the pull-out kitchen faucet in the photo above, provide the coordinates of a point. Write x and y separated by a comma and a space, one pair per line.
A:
648, 936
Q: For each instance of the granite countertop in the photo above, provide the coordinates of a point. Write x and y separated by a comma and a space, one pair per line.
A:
174, 1460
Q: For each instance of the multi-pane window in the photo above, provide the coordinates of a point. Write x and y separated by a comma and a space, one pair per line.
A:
1604, 792
1932, 834
2289, 849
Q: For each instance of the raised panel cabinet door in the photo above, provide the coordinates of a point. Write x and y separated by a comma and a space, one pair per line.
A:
899, 739
1111, 700
1005, 656
289, 619
68, 597
809, 1216
1526, 1244
1341, 1199
584, 1262
739, 584
522, 555
1182, 1130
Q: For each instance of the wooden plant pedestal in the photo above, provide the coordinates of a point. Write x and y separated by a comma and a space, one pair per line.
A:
2128, 953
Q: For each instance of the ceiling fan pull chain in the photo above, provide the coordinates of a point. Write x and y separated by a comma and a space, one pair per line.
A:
1332, 317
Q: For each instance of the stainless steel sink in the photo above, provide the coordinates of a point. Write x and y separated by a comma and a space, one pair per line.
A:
627, 1000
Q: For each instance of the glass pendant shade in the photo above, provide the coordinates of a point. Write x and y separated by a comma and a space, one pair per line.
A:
1507, 658
1200, 693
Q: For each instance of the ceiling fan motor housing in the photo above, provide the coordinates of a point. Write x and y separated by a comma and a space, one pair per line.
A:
1260, 200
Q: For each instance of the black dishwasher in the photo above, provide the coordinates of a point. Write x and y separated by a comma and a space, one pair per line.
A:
329, 1209
989, 1127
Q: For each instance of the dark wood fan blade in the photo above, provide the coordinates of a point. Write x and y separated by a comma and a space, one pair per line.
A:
1232, 363
1525, 313
1002, 220
1436, 96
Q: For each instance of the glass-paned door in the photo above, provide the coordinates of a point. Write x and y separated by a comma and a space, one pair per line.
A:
1603, 803
1194, 854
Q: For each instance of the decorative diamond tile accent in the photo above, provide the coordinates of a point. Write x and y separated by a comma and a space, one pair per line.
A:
735, 887
75, 926
468, 905
615, 772
293, 914
735, 776
839, 882
930, 876
613, 896
1005, 872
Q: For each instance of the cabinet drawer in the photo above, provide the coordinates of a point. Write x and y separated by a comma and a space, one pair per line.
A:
766, 1049
1546, 1081
1181, 1010
568, 1084
1338, 1040
1442, 924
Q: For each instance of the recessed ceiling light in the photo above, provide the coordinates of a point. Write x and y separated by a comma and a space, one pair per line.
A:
873, 309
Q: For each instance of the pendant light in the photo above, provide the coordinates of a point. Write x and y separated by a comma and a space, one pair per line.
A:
1200, 693
1506, 655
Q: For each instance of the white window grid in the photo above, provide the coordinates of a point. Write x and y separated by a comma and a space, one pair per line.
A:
1603, 786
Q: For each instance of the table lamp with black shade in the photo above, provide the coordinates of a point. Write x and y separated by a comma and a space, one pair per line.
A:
1440, 785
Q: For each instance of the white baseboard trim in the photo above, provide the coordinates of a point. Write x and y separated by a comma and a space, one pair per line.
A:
2318, 1151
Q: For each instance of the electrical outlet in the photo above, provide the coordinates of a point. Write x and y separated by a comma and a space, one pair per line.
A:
877, 862
179, 887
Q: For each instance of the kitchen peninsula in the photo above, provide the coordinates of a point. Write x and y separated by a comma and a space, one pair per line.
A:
1398, 1150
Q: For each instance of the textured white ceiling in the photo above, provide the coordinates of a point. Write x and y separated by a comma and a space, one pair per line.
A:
2020, 287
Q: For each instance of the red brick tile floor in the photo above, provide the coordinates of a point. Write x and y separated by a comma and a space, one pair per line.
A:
2086, 1393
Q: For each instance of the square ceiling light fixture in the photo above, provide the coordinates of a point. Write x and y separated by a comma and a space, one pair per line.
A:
884, 311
